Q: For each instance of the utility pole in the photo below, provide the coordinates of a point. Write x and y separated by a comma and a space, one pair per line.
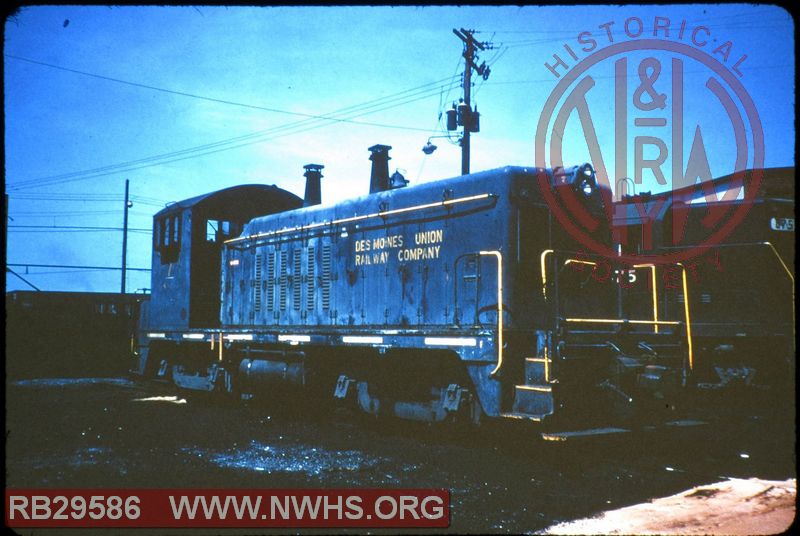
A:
125, 238
466, 117
6, 217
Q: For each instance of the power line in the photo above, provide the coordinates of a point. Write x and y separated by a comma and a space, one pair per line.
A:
82, 196
68, 231
68, 195
129, 167
192, 95
438, 126
599, 77
53, 272
75, 227
491, 62
29, 265
73, 200
369, 107
86, 197
34, 287
64, 213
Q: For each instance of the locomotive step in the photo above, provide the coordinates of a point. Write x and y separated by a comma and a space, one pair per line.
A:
523, 416
533, 399
539, 388
574, 435
580, 434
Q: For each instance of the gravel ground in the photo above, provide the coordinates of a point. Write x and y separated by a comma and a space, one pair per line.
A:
117, 432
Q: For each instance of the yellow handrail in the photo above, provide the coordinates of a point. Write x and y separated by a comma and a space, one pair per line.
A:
499, 257
546, 364
579, 261
655, 322
543, 264
780, 259
686, 313
655, 291
791, 277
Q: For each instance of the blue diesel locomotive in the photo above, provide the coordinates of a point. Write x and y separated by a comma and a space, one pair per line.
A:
459, 299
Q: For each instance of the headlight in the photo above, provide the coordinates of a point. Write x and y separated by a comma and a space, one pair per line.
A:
587, 184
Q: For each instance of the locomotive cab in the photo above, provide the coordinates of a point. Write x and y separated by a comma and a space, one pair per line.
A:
187, 245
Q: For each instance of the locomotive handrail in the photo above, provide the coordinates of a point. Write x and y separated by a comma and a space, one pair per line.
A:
542, 260
791, 277
685, 285
381, 214
780, 259
499, 257
543, 266
655, 322
655, 290
590, 263
579, 261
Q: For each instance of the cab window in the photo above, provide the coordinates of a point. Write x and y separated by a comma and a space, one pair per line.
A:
168, 237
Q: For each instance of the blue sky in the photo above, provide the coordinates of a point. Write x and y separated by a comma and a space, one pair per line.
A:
185, 100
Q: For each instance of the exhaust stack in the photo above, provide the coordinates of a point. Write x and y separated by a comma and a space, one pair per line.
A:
379, 180
313, 175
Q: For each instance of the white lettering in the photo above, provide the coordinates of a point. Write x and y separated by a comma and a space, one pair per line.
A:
20, 504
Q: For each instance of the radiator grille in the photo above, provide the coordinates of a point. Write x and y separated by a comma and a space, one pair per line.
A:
310, 275
271, 281
284, 279
326, 276
297, 286
257, 276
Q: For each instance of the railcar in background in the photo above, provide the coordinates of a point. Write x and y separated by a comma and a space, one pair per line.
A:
741, 288
56, 334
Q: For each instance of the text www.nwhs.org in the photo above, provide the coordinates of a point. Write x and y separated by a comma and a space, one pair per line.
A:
385, 507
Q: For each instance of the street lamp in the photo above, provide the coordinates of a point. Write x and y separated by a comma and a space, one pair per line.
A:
428, 148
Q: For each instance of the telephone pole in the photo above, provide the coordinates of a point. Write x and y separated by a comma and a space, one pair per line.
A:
125, 238
464, 115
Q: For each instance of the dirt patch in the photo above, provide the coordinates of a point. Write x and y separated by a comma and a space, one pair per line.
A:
734, 506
